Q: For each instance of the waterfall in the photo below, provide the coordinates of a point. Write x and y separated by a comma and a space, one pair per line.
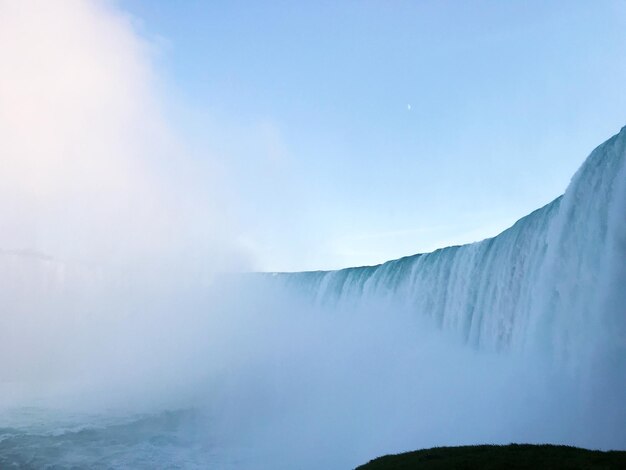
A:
553, 281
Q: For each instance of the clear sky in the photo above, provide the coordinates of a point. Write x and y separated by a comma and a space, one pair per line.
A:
338, 133
358, 131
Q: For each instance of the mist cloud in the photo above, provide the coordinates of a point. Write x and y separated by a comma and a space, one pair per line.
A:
90, 170
119, 316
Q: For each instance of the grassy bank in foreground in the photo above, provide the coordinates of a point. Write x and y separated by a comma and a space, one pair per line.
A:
512, 456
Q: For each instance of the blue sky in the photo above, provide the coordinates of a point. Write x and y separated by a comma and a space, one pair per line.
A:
306, 107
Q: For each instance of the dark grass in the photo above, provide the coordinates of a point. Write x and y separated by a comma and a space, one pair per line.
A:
512, 456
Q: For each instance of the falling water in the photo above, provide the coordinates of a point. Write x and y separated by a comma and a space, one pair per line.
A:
520, 337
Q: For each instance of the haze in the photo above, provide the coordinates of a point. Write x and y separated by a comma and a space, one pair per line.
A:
151, 153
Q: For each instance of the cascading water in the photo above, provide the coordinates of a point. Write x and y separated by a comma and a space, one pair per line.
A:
554, 280
520, 337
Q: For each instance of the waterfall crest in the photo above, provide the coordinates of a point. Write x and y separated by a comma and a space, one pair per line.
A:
548, 281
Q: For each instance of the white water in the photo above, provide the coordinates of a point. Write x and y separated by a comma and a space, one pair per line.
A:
521, 337
554, 280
